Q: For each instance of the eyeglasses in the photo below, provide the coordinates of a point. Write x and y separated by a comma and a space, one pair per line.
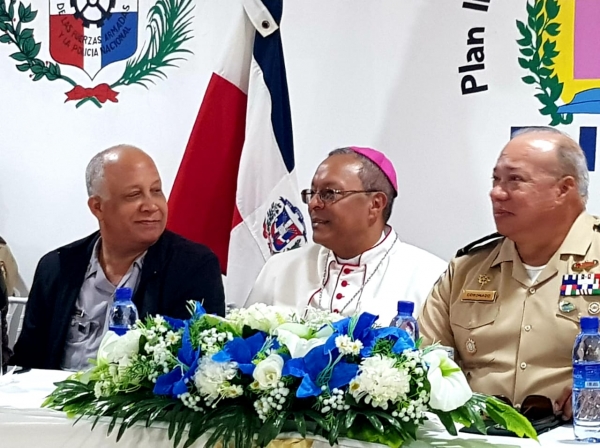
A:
329, 195
534, 407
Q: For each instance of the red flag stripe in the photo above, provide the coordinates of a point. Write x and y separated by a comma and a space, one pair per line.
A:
203, 195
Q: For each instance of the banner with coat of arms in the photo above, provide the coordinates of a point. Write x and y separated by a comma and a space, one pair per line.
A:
439, 86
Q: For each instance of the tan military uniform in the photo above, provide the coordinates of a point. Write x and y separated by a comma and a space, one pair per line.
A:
8, 267
521, 343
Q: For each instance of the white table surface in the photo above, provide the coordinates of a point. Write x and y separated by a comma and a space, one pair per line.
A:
24, 424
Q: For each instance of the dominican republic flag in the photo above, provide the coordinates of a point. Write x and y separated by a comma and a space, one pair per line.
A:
91, 35
236, 189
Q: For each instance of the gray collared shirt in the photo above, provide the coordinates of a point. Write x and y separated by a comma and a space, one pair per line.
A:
89, 322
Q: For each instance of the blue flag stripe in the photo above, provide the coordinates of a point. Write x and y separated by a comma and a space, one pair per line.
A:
268, 53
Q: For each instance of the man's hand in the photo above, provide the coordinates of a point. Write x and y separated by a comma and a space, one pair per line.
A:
564, 404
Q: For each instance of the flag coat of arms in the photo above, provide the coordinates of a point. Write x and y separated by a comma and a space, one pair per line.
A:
236, 189
91, 34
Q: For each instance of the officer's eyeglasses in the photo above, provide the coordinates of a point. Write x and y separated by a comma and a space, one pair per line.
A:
329, 195
534, 407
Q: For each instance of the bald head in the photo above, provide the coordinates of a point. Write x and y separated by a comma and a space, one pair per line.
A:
125, 195
95, 173
565, 154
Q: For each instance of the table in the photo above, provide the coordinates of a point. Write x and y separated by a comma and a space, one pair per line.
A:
24, 424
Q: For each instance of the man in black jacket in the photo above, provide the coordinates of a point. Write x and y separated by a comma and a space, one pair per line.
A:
73, 287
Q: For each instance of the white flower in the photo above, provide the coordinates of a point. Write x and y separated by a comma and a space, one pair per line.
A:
449, 387
260, 317
297, 345
213, 377
347, 346
379, 381
268, 372
115, 348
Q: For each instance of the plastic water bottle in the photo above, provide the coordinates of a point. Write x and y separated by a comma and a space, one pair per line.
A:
123, 313
586, 381
405, 320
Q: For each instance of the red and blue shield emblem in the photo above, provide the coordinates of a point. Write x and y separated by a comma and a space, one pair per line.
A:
91, 34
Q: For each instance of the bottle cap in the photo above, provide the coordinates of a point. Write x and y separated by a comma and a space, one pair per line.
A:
405, 307
589, 323
123, 294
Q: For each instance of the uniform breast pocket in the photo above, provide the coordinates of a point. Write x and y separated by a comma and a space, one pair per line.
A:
472, 324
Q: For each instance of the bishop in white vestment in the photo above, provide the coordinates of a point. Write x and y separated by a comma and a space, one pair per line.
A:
358, 263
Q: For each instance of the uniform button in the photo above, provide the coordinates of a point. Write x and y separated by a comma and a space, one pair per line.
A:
523, 365
527, 327
532, 290
347, 271
265, 24
339, 295
344, 283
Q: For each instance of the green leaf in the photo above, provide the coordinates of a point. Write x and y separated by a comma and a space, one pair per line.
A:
567, 118
552, 29
38, 69
21, 11
556, 90
18, 56
11, 8
3, 26
549, 109
524, 63
539, 23
524, 42
36, 49
30, 17
447, 421
525, 31
544, 99
375, 422
26, 33
5, 39
350, 417
545, 72
539, 7
552, 9
556, 120
509, 418
23, 67
531, 10
531, 22
300, 423
526, 51
51, 76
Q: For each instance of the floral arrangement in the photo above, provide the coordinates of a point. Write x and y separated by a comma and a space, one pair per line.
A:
262, 371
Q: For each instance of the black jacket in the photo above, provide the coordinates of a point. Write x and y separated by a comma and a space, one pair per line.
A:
174, 271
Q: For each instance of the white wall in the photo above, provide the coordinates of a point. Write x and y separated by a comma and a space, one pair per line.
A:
379, 73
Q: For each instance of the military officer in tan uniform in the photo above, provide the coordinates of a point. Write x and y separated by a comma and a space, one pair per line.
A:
10, 276
499, 305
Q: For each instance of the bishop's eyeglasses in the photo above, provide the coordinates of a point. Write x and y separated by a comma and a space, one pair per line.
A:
329, 195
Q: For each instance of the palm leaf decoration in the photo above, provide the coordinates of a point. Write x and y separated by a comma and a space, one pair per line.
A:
169, 22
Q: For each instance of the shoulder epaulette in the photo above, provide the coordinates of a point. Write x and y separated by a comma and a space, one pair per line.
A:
480, 243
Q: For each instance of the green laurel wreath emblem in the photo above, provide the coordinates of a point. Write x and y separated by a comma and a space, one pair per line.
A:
169, 23
539, 51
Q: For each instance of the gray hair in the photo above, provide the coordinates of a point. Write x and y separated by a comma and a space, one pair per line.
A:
571, 158
94, 173
372, 178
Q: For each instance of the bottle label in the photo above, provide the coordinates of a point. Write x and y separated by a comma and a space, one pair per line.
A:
409, 327
586, 376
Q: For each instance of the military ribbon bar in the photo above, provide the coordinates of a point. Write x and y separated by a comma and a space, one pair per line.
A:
580, 285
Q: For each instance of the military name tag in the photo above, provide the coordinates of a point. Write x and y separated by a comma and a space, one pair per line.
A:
473, 295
